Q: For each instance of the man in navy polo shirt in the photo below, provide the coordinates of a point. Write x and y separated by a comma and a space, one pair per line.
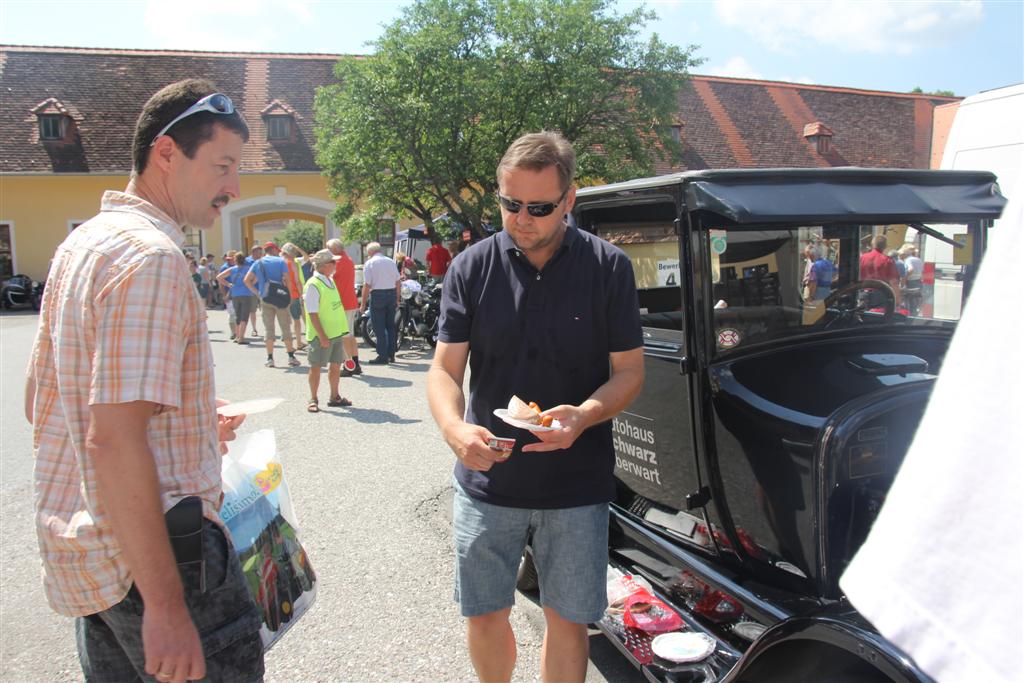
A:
548, 313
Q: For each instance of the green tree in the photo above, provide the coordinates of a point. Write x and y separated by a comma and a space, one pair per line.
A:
306, 234
418, 128
942, 93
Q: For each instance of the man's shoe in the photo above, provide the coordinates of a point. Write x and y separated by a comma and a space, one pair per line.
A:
293, 362
269, 363
358, 370
378, 361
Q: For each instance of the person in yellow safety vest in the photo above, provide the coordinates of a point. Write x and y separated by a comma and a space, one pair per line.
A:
326, 324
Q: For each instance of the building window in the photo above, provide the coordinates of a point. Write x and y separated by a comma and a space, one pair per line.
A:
51, 127
194, 241
677, 133
6, 251
279, 127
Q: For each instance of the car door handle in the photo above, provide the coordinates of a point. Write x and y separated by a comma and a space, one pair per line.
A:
662, 346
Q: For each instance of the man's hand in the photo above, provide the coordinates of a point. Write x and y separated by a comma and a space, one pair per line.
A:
469, 443
171, 644
574, 422
129, 489
325, 343
226, 426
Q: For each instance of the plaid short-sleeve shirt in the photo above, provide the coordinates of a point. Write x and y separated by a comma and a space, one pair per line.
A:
120, 322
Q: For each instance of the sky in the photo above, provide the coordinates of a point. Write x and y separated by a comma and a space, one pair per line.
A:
966, 46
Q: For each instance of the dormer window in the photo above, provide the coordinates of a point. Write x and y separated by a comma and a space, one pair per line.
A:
56, 122
819, 135
280, 119
279, 127
51, 126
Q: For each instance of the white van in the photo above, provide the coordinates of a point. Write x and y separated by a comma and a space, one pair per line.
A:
987, 135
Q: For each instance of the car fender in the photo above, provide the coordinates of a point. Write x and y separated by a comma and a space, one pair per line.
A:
833, 635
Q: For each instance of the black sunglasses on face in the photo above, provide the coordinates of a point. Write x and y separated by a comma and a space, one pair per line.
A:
215, 103
536, 210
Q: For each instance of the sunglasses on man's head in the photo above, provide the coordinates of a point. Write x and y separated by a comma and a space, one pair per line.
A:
215, 103
536, 210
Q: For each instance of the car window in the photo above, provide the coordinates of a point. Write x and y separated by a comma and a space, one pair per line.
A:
653, 249
774, 283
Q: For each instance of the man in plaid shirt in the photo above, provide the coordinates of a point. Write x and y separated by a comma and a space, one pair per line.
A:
120, 393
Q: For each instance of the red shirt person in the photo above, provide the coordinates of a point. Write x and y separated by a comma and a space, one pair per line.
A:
438, 260
345, 281
875, 265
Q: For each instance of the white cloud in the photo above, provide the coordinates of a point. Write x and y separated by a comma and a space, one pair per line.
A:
739, 67
224, 25
874, 26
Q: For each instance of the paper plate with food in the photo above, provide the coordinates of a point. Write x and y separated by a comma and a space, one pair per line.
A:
526, 416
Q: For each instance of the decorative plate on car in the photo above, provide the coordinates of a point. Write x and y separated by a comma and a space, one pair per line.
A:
683, 647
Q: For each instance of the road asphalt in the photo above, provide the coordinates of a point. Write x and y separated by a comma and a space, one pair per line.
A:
371, 486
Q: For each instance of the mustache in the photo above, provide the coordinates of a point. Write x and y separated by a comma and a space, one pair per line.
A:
222, 200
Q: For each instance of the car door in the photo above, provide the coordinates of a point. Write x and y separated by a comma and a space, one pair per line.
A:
653, 439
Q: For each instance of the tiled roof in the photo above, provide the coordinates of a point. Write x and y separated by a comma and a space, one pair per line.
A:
725, 122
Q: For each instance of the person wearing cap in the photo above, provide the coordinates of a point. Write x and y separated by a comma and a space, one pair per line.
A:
292, 255
326, 325
272, 268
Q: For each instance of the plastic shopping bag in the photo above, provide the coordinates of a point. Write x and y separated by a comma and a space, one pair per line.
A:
258, 512
633, 597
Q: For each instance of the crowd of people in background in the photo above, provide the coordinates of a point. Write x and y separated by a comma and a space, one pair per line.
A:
901, 269
322, 305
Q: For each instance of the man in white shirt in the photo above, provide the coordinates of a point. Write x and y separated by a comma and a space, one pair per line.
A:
382, 288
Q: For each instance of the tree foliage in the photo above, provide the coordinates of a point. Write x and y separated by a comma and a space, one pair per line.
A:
307, 234
418, 128
942, 93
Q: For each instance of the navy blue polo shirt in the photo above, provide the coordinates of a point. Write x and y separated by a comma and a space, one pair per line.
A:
545, 337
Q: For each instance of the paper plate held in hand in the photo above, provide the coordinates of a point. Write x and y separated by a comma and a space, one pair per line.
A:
250, 407
523, 424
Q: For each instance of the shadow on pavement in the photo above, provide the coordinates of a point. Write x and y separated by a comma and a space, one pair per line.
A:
378, 381
367, 415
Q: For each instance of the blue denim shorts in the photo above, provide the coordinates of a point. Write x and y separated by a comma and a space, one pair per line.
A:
570, 548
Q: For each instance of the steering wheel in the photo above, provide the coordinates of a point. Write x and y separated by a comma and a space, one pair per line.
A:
840, 300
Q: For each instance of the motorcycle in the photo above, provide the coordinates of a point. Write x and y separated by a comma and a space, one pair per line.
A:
417, 315
21, 291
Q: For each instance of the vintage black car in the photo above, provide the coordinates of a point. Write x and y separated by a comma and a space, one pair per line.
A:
773, 420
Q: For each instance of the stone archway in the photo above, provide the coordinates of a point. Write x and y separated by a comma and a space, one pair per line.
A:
278, 203
260, 227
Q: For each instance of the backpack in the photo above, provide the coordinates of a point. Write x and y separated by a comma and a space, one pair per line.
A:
277, 294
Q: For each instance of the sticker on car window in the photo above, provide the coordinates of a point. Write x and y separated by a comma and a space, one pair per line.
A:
728, 338
719, 241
